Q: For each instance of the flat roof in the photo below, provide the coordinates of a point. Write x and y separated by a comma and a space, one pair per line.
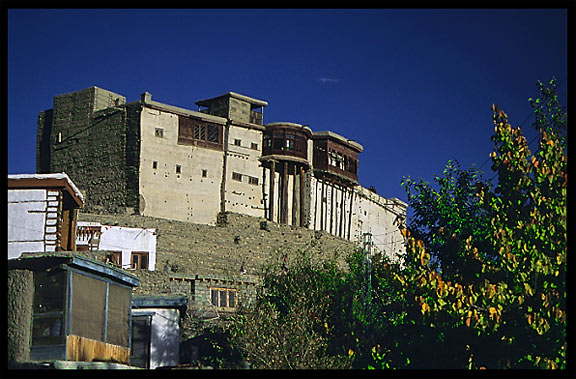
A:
52, 259
56, 180
328, 134
251, 100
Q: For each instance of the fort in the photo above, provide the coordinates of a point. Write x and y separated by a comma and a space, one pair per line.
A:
153, 159
148, 223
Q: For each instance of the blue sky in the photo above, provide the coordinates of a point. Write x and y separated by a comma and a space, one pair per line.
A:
413, 86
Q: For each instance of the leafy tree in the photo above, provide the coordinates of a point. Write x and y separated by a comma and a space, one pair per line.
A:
290, 324
503, 278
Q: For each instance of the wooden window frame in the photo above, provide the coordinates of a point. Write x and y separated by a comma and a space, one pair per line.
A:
138, 265
227, 291
115, 258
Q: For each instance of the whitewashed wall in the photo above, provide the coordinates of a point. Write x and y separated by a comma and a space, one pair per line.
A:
26, 221
126, 240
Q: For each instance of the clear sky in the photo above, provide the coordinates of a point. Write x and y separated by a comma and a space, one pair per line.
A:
414, 87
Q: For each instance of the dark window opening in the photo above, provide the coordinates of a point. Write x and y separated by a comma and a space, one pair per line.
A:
154, 165
223, 297
48, 308
139, 260
159, 132
238, 142
204, 173
178, 169
237, 176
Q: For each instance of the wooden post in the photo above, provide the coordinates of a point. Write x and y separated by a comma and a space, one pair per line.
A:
295, 197
331, 207
271, 194
322, 207
350, 214
342, 210
284, 213
302, 197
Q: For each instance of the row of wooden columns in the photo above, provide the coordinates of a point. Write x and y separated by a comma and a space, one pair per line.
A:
298, 214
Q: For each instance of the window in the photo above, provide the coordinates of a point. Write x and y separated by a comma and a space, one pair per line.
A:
252, 180
223, 297
115, 258
237, 176
192, 132
204, 173
238, 142
159, 132
49, 301
178, 169
139, 260
254, 146
154, 165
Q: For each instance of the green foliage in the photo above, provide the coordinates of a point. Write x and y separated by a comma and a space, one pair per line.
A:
291, 322
510, 288
482, 284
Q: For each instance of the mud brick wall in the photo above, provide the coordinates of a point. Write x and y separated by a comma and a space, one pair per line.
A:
19, 316
90, 147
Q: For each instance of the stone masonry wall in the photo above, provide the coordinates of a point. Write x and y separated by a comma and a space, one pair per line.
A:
19, 317
91, 148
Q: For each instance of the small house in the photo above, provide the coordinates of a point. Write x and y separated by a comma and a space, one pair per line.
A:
156, 330
42, 213
129, 248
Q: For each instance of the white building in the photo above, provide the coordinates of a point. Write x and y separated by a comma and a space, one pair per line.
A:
130, 248
156, 331
189, 165
42, 213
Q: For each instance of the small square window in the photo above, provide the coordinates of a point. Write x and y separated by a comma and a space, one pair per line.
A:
237, 176
159, 132
254, 146
139, 260
252, 180
237, 142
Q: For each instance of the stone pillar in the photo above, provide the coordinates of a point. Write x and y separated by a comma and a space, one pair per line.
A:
19, 317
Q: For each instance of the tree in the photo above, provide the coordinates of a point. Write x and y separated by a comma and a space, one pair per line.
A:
505, 277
